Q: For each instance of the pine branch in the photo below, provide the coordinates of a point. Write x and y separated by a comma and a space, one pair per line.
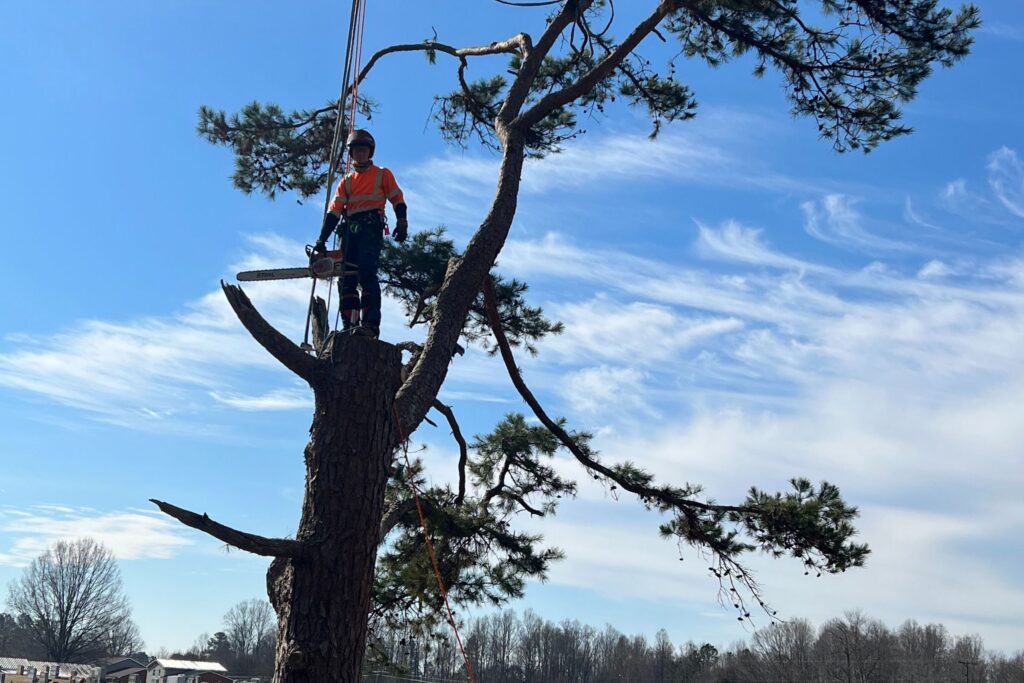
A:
527, 74
665, 496
604, 68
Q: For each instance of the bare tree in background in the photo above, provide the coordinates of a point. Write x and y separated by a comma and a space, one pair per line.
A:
248, 626
123, 638
74, 602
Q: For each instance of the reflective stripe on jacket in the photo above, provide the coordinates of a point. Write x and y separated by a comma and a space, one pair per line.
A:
367, 190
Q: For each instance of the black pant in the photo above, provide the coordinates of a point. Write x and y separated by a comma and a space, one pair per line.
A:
362, 238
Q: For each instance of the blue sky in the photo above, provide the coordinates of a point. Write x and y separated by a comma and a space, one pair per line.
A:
742, 305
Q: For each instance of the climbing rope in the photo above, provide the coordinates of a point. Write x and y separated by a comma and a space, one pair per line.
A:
350, 88
430, 545
353, 53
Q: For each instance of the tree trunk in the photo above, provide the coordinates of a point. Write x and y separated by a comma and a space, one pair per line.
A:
322, 599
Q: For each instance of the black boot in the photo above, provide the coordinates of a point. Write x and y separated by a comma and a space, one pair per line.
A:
368, 330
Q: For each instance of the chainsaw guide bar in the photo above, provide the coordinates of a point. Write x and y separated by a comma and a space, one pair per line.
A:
331, 264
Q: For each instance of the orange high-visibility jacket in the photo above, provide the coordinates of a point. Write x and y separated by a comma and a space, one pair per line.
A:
367, 190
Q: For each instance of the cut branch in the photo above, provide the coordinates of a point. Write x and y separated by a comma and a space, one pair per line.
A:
667, 497
279, 346
321, 325
258, 545
463, 451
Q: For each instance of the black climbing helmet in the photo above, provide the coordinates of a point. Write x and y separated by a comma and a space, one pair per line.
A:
361, 138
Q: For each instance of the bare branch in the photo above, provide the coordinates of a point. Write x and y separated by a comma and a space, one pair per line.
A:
666, 497
516, 45
605, 67
279, 346
258, 545
463, 451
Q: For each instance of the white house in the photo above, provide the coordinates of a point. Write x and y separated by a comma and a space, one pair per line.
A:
181, 670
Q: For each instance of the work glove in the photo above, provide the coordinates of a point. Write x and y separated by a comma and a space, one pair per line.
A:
319, 247
401, 229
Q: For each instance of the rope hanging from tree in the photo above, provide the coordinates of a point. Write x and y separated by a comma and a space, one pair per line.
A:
430, 545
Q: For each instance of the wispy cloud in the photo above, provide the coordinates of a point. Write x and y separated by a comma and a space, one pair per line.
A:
281, 399
641, 333
836, 220
614, 394
130, 534
456, 190
934, 269
734, 242
913, 216
1006, 177
177, 373
1003, 30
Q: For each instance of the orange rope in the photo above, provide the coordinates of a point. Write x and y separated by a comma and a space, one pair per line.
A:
430, 546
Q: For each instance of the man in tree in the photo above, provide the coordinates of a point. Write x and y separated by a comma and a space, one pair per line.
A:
358, 208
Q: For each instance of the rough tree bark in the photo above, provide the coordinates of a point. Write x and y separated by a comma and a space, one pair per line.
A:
320, 582
322, 599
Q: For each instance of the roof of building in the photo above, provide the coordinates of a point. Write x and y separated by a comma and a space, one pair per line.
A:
109, 664
123, 673
188, 664
12, 664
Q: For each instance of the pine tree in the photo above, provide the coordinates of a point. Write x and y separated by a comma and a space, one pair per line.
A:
851, 75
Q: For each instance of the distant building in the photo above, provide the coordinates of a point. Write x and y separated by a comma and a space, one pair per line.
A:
19, 670
184, 671
121, 670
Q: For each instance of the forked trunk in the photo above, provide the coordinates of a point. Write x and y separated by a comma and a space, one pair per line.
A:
322, 600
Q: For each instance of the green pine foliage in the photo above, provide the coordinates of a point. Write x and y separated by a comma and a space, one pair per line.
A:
413, 273
481, 557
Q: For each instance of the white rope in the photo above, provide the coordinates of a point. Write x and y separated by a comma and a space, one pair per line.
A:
353, 22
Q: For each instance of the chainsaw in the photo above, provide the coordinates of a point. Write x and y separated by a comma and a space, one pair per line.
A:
323, 265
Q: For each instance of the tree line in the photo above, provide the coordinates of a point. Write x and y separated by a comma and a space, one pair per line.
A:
69, 606
505, 648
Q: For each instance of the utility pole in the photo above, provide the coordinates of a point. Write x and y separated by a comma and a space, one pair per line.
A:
967, 669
